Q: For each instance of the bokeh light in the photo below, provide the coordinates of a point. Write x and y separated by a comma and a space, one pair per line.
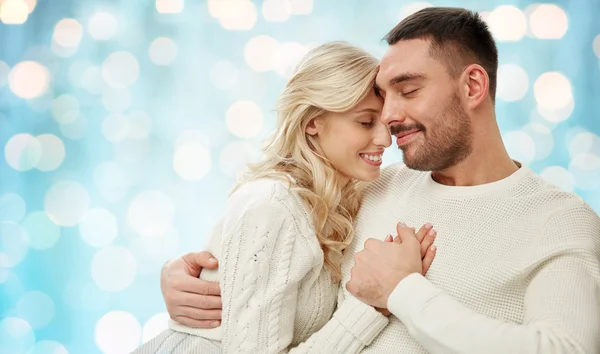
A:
29, 79
53, 152
12, 207
151, 213
513, 82
548, 21
163, 51
14, 12
260, 52
102, 26
41, 231
118, 332
66, 202
23, 152
37, 308
68, 33
120, 69
169, 6
244, 119
14, 244
16, 335
507, 23
113, 268
98, 227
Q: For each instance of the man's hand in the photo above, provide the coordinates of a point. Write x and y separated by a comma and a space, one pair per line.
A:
380, 266
191, 301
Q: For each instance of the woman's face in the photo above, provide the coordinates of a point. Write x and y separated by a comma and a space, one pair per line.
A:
354, 141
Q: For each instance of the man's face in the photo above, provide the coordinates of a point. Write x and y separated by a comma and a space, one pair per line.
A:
422, 107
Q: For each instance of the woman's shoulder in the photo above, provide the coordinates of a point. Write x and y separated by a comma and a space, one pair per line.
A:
268, 193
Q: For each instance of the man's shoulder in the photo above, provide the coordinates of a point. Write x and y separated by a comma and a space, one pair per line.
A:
394, 176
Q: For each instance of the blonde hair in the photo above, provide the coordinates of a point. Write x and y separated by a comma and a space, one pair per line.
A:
333, 77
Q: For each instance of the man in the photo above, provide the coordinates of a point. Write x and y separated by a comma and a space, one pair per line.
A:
518, 262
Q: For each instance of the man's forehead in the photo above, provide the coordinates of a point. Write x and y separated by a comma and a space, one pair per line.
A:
403, 56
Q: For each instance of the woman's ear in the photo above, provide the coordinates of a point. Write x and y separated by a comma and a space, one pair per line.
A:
312, 128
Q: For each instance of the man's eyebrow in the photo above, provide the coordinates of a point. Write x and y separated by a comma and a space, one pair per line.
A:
406, 77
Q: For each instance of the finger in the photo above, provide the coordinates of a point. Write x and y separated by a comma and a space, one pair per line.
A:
423, 231
428, 259
198, 314
397, 239
198, 301
199, 260
199, 286
388, 238
428, 241
190, 322
405, 233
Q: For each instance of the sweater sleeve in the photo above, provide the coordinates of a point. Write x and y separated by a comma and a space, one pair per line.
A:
261, 270
561, 304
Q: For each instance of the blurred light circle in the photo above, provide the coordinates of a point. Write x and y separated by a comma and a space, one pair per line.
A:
29, 79
120, 69
260, 51
31, 5
12, 207
65, 109
226, 8
37, 308
239, 15
586, 170
48, 347
66, 202
113, 268
161, 248
10, 286
155, 326
102, 26
191, 161
4, 72
16, 335
93, 298
23, 152
53, 152
14, 244
115, 127
162, 51
98, 227
140, 125
583, 143
92, 80
192, 137
224, 74
112, 181
520, 146
68, 33
507, 23
560, 177
287, 57
513, 82
542, 136
42, 232
251, 86
276, 10
116, 100
13, 12
74, 130
411, 8
557, 115
169, 6
244, 119
118, 332
552, 91
548, 21
301, 7
235, 157
596, 46
151, 213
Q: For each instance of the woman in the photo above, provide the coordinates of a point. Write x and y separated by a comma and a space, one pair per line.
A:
288, 222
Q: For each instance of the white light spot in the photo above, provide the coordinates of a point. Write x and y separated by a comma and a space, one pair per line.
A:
586, 170
74, 130
118, 332
112, 180
48, 347
42, 232
115, 127
65, 109
162, 51
98, 227
68, 33
151, 213
548, 21
235, 157
14, 244
92, 80
542, 136
235, 15
507, 23
53, 152
12, 207
260, 52
140, 125
512, 82
155, 326
30, 4
113, 268
596, 46
287, 57
37, 308
23, 152
169, 6
560, 177
4, 72
244, 119
411, 8
102, 26
583, 143
276, 10
520, 146
16, 336
13, 12
116, 100
120, 69
192, 161
66, 202
301, 7
552, 90
29, 79
224, 74
557, 115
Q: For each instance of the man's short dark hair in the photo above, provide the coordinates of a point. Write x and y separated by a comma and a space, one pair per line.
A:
459, 37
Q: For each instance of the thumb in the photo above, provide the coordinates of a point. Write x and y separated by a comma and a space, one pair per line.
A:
405, 233
195, 261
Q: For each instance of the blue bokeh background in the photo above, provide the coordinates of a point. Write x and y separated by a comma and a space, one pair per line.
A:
124, 123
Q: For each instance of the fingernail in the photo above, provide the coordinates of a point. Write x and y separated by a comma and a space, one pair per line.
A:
212, 259
403, 224
432, 232
428, 226
433, 248
215, 324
